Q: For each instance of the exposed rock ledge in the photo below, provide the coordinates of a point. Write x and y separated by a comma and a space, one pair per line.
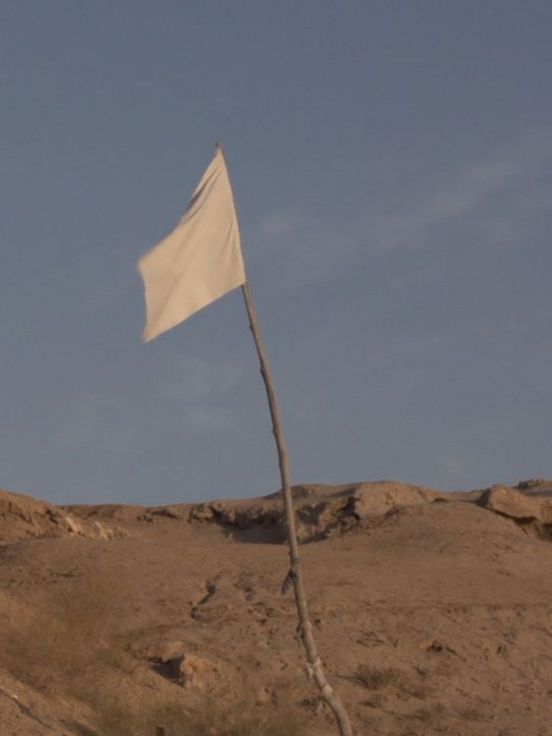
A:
524, 504
322, 510
23, 517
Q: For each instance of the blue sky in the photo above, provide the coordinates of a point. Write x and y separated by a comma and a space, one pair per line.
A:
392, 168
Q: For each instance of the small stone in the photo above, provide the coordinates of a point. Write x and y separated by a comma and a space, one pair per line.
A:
193, 671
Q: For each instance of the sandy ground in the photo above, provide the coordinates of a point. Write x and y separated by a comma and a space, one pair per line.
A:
432, 613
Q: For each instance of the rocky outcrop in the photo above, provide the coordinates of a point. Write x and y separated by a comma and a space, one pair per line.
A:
535, 487
321, 510
527, 504
24, 517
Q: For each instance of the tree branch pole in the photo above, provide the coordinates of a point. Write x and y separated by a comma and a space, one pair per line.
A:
314, 666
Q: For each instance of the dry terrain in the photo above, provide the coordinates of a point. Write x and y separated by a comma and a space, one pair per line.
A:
432, 612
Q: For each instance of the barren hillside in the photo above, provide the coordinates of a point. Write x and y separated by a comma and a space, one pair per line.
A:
432, 613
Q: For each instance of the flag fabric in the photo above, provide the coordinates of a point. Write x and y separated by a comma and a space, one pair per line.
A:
199, 261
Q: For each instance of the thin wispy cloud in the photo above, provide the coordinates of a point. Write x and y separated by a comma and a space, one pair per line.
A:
492, 198
307, 249
489, 203
203, 388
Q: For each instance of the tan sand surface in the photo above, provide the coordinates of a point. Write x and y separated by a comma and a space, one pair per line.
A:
432, 612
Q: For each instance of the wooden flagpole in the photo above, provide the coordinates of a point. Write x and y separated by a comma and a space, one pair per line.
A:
314, 665
295, 575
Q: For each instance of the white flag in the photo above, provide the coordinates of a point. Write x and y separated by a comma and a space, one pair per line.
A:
199, 261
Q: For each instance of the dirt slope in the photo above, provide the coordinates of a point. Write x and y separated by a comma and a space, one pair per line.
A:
432, 612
